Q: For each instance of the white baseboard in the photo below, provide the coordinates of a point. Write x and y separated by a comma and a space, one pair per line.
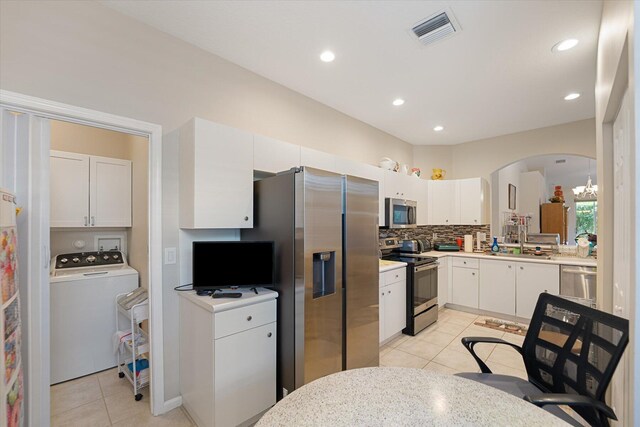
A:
171, 404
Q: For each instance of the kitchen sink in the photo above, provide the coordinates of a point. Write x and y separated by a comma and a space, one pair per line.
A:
499, 254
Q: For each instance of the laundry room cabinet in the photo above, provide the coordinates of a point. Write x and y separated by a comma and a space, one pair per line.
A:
89, 191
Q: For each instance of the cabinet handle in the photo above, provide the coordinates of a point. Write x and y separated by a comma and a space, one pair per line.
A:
509, 266
382, 294
473, 274
86, 221
269, 334
249, 318
464, 262
389, 291
521, 268
93, 221
246, 218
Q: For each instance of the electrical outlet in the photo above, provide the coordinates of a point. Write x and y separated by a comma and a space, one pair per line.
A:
169, 255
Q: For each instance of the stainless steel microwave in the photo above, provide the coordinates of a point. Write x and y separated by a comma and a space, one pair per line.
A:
400, 213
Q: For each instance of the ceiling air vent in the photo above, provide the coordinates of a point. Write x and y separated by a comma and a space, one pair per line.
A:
436, 27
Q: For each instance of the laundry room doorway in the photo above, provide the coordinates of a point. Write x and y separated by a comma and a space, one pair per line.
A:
89, 185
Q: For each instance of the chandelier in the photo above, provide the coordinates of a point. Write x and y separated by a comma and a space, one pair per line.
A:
586, 192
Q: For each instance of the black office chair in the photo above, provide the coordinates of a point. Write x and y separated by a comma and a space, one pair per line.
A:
570, 353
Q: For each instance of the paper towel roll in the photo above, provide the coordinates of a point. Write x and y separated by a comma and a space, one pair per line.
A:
468, 243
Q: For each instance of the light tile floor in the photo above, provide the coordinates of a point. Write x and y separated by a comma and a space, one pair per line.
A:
438, 347
102, 400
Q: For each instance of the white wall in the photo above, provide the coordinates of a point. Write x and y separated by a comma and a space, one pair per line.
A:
618, 45
531, 194
501, 180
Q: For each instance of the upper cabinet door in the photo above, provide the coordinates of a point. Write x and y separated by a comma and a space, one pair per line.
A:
473, 201
420, 192
271, 155
442, 202
318, 159
69, 181
216, 176
110, 199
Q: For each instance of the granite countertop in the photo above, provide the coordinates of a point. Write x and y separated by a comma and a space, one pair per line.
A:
402, 397
556, 259
386, 265
223, 304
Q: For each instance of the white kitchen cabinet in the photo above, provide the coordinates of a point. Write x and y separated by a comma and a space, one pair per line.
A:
222, 381
421, 194
216, 176
442, 202
464, 286
393, 303
443, 281
271, 155
110, 192
531, 280
497, 288
89, 191
473, 201
69, 180
317, 159
399, 186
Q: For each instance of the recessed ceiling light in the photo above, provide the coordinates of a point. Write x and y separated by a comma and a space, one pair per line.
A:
327, 56
438, 128
398, 102
572, 96
565, 45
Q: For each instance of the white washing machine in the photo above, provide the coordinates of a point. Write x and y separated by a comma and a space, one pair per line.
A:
83, 289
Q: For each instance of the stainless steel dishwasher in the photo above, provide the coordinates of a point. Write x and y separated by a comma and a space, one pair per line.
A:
579, 283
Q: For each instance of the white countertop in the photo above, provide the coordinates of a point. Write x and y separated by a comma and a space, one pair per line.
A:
386, 265
403, 396
565, 260
218, 305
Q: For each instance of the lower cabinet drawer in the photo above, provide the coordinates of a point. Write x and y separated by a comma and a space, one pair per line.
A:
397, 275
241, 319
465, 262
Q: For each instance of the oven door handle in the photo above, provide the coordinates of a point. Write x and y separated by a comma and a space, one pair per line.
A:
425, 268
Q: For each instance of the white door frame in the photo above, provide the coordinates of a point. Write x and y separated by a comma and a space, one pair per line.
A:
55, 110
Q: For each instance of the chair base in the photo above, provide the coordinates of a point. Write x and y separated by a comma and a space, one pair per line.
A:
517, 387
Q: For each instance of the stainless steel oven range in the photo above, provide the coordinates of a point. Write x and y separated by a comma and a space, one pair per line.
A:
422, 286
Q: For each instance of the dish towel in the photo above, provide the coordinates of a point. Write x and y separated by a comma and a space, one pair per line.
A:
118, 339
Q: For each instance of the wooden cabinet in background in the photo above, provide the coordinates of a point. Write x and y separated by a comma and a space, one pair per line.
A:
554, 219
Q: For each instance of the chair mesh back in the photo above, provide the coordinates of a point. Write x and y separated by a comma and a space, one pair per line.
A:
572, 348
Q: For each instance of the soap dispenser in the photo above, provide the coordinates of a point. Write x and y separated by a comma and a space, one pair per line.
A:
494, 246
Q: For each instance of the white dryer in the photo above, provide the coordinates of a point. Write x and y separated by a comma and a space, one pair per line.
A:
83, 288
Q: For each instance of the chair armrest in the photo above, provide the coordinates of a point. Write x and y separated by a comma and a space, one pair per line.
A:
571, 400
469, 342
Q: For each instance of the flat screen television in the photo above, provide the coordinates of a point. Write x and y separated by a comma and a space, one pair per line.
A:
219, 265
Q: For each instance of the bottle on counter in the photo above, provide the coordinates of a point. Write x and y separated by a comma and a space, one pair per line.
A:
494, 246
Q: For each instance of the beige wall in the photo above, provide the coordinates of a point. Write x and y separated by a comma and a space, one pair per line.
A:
485, 156
429, 157
94, 141
85, 54
617, 46
482, 157
81, 139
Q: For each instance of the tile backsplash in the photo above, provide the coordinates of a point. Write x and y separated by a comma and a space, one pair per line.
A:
445, 233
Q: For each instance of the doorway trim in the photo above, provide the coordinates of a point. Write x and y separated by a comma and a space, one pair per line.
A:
55, 110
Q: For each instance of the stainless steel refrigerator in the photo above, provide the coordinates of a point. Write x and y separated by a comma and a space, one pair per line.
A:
325, 229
